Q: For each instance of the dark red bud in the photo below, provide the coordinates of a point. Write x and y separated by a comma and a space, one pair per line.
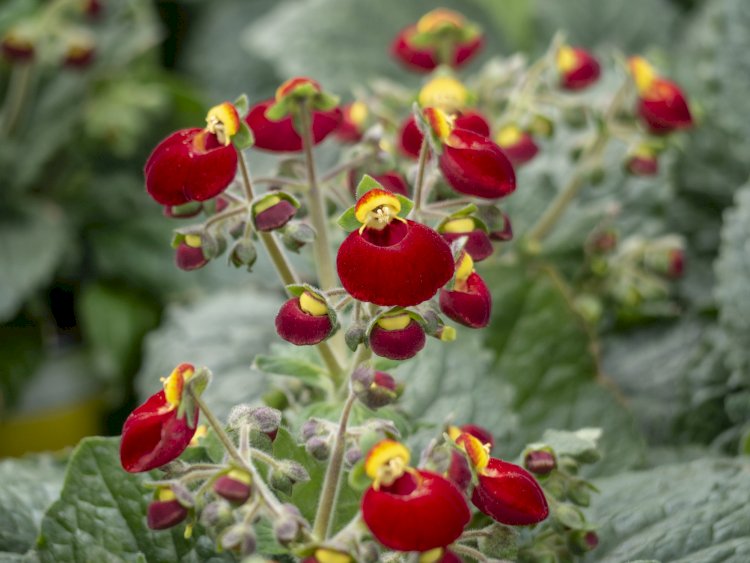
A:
478, 243
275, 216
281, 136
582, 69
664, 108
234, 486
17, 48
298, 327
398, 344
509, 494
163, 514
540, 462
79, 56
642, 165
189, 258
471, 305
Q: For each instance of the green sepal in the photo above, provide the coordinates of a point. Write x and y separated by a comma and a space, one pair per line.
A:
241, 104
295, 234
355, 335
243, 253
358, 479
406, 205
325, 102
366, 184
279, 110
244, 138
348, 220
212, 245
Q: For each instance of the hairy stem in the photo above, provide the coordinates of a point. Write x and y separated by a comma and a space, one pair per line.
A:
470, 552
424, 151
287, 274
16, 97
316, 203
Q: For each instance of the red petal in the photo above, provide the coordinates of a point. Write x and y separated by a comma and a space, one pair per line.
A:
404, 264
416, 513
298, 327
414, 58
473, 121
188, 258
664, 108
165, 514
480, 433
522, 151
459, 472
397, 344
474, 165
478, 244
185, 167
470, 307
466, 51
509, 494
280, 136
410, 137
275, 216
643, 166
153, 435
586, 72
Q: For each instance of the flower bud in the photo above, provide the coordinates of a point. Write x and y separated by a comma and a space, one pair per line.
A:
216, 514
80, 54
243, 253
189, 254
239, 538
517, 144
310, 428
577, 67
540, 462
166, 511
374, 389
318, 448
295, 235
579, 493
288, 525
352, 456
264, 419
582, 541
353, 123
304, 320
397, 337
273, 213
234, 486
478, 243
17, 47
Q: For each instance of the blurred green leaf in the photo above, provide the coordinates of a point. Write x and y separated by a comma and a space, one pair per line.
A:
114, 321
544, 351
698, 511
101, 516
21, 354
223, 332
32, 244
27, 487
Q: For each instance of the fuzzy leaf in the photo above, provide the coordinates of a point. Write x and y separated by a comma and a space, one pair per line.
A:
348, 221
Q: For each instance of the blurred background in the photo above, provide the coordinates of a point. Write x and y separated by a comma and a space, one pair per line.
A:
93, 310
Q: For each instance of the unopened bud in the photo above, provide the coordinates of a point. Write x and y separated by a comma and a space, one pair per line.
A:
234, 486
318, 448
310, 428
295, 235
216, 514
166, 511
352, 456
579, 493
374, 389
500, 541
582, 541
264, 419
540, 462
243, 253
239, 538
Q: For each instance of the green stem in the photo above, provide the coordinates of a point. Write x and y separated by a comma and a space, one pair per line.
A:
316, 203
424, 151
470, 552
286, 273
16, 97
332, 478
224, 215
346, 166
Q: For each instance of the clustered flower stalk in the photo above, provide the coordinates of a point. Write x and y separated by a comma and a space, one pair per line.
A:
404, 269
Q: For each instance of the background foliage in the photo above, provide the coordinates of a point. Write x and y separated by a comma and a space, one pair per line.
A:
87, 270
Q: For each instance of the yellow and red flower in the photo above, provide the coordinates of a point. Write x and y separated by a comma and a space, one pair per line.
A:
505, 491
661, 103
195, 164
459, 471
154, 434
469, 302
577, 67
189, 254
397, 336
643, 161
390, 260
410, 137
353, 123
517, 144
304, 320
478, 244
408, 509
439, 37
165, 511
280, 135
471, 163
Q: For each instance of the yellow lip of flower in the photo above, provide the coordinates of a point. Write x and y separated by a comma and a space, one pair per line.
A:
643, 73
458, 226
387, 461
175, 382
358, 113
445, 93
165, 494
312, 305
223, 121
432, 556
509, 136
326, 555
478, 453
441, 124
200, 433
566, 59
438, 18
377, 208
394, 322
464, 267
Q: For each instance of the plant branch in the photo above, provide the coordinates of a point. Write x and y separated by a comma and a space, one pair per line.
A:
15, 97
321, 246
424, 151
470, 552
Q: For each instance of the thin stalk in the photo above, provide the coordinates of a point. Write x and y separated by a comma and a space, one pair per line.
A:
316, 203
279, 181
286, 272
224, 215
16, 96
345, 167
424, 151
332, 478
469, 552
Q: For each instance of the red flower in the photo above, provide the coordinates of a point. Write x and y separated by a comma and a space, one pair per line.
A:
478, 244
397, 337
469, 302
189, 254
506, 492
353, 123
273, 213
661, 103
643, 162
304, 320
410, 509
410, 137
578, 68
440, 37
166, 511
518, 145
459, 471
153, 435
389, 260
